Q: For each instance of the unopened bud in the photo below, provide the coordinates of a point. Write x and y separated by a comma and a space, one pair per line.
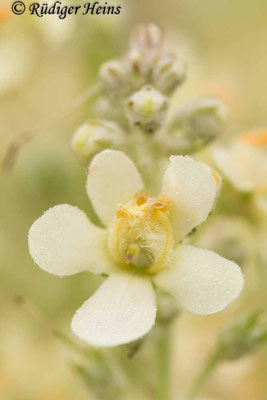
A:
241, 337
147, 109
95, 136
147, 36
113, 77
199, 122
168, 74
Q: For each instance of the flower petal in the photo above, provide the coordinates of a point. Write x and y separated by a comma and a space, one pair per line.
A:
191, 185
122, 310
63, 242
244, 166
202, 281
112, 179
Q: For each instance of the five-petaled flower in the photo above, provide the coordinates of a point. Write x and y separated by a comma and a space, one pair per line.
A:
244, 163
140, 246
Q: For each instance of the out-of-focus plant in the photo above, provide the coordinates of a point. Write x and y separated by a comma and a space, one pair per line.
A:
237, 339
244, 163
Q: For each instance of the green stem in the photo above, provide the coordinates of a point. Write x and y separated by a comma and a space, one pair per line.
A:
202, 378
163, 364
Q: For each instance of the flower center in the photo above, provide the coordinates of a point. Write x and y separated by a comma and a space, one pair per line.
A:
141, 235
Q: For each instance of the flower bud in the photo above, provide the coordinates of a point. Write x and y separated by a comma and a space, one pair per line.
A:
168, 73
141, 63
147, 36
147, 109
241, 337
113, 77
95, 136
199, 122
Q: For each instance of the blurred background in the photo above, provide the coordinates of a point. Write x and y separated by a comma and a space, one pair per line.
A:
47, 63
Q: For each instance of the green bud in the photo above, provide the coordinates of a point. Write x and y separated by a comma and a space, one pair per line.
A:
168, 73
95, 136
147, 109
198, 123
241, 337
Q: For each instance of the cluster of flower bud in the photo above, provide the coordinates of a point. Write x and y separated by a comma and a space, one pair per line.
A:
135, 93
90, 138
146, 62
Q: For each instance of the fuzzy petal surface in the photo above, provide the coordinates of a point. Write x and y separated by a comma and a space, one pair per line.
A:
244, 166
63, 242
112, 179
123, 309
201, 280
191, 185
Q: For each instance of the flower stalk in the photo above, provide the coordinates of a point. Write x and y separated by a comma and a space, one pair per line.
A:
163, 384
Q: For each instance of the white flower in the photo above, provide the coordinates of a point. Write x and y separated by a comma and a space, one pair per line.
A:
244, 163
17, 59
140, 246
55, 30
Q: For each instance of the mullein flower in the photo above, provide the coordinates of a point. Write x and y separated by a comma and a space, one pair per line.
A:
90, 138
244, 163
54, 30
17, 59
139, 246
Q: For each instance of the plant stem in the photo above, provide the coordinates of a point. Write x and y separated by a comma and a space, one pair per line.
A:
163, 364
203, 376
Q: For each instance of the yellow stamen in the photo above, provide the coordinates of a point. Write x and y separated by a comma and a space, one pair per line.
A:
143, 220
159, 264
142, 196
